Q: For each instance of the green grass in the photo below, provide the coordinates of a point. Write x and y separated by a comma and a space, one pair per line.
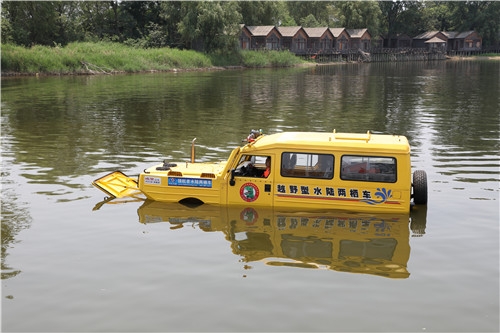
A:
109, 57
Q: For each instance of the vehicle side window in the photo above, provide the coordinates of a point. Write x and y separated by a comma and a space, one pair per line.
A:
251, 166
368, 168
307, 165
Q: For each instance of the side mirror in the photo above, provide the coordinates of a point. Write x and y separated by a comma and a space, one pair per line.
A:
231, 181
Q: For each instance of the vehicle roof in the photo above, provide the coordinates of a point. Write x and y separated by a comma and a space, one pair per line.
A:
324, 141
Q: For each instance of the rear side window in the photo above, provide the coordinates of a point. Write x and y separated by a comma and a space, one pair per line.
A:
369, 168
307, 165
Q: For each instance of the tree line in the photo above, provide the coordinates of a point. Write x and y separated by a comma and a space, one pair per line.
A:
214, 26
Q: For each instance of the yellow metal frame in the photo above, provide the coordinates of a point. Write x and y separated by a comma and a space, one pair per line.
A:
117, 184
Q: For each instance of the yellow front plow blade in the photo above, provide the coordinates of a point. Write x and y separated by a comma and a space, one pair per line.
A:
117, 184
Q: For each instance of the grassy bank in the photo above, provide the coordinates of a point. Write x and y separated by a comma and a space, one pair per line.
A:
88, 58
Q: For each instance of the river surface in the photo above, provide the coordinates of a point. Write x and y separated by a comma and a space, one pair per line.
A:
72, 262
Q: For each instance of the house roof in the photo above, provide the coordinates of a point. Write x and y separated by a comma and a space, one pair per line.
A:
435, 40
315, 32
464, 34
336, 31
289, 31
260, 30
447, 34
450, 34
426, 35
356, 33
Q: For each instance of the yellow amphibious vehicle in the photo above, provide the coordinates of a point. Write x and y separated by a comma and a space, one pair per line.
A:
300, 170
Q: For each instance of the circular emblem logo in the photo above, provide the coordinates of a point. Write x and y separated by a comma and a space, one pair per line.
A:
249, 192
249, 215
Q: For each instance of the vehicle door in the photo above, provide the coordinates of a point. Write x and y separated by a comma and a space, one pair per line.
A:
249, 184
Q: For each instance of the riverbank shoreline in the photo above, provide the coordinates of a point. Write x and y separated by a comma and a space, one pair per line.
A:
115, 72
90, 72
456, 58
155, 71
109, 58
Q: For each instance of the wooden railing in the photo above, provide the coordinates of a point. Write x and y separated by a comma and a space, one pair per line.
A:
381, 54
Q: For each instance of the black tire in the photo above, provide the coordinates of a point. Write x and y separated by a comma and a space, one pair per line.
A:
419, 187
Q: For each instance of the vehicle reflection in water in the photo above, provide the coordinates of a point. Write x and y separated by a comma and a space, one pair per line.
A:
345, 242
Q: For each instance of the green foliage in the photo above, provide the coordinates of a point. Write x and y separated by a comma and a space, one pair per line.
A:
478, 15
213, 26
97, 57
359, 14
210, 26
436, 16
32, 22
265, 13
217, 25
320, 10
254, 59
221, 59
310, 22
412, 19
37, 59
269, 59
107, 57
6, 29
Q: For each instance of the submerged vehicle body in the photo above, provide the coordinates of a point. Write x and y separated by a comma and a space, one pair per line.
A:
307, 170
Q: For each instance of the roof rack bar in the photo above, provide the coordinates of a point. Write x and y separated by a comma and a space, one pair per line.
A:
350, 136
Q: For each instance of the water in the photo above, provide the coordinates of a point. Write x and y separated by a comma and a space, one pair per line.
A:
71, 262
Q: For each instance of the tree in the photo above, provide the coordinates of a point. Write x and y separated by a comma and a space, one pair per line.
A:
214, 25
435, 15
98, 19
68, 15
406, 17
320, 10
187, 26
171, 15
310, 22
210, 25
358, 15
481, 16
262, 12
489, 25
6, 28
391, 12
413, 21
31, 22
141, 17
